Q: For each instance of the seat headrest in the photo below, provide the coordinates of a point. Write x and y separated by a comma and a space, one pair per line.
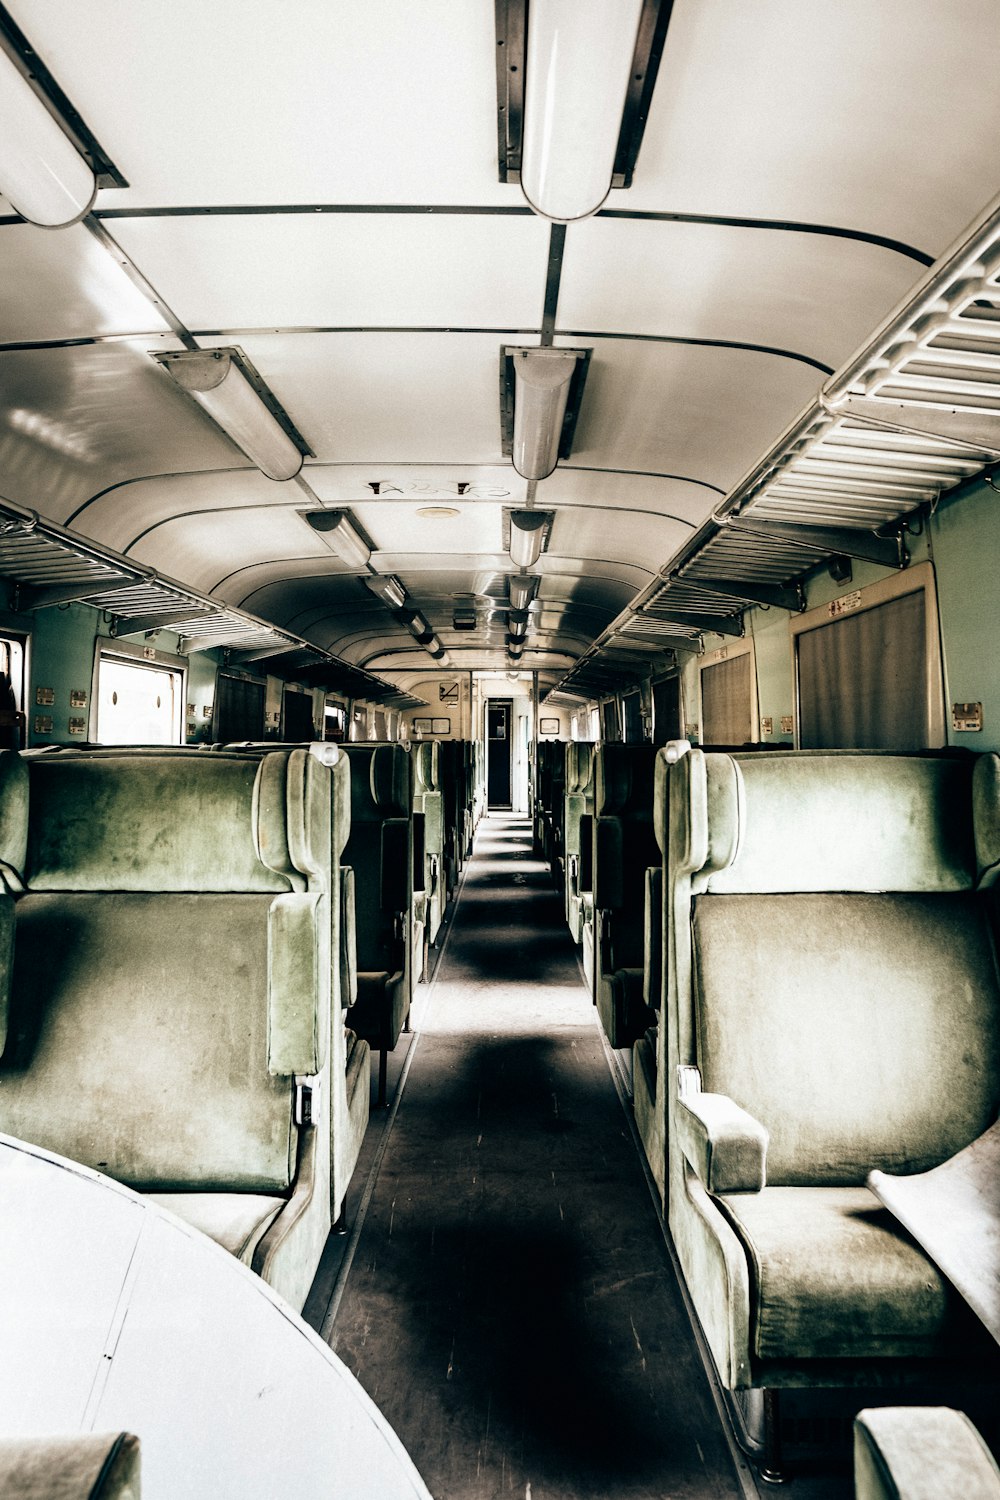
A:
427, 765
391, 781
579, 765
149, 822
986, 816
826, 821
623, 780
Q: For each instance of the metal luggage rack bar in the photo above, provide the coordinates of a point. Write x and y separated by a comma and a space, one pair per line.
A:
46, 565
912, 415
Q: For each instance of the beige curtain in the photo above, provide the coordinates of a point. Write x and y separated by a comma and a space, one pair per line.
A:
862, 680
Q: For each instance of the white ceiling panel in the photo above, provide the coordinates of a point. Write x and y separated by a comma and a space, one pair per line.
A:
808, 294
65, 286
344, 270
642, 540
426, 484
682, 499
869, 117
131, 510
386, 398
257, 101
74, 421
396, 528
202, 548
684, 409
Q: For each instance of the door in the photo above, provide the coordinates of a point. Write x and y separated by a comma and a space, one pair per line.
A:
498, 748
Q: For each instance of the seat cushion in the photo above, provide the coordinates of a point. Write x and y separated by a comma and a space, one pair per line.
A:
835, 1277
236, 1221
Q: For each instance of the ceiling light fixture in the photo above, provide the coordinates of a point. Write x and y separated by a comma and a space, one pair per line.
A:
387, 588
437, 512
214, 378
541, 389
527, 533
517, 623
41, 172
514, 649
522, 590
577, 76
341, 535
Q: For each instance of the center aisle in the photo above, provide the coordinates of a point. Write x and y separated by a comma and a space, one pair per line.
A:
511, 1307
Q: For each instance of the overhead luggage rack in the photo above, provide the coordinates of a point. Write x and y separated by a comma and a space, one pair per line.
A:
911, 416
46, 565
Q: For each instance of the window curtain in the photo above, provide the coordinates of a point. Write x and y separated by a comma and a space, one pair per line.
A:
725, 702
862, 680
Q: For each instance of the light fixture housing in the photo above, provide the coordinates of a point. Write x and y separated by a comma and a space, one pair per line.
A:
341, 535
517, 623
464, 616
541, 390
514, 649
41, 172
418, 626
578, 70
387, 588
217, 382
527, 536
521, 590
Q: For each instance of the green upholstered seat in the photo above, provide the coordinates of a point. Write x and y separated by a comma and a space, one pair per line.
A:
624, 848
921, 1453
578, 835
380, 853
832, 976
170, 995
428, 806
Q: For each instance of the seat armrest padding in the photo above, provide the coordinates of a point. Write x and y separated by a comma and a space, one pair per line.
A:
294, 1036
724, 1145
921, 1453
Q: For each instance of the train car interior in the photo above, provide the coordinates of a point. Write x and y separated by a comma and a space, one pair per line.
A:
500, 748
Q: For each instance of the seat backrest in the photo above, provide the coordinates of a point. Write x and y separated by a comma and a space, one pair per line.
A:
171, 969
841, 977
380, 851
624, 842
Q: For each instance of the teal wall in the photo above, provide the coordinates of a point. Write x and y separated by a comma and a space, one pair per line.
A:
61, 657
962, 540
965, 540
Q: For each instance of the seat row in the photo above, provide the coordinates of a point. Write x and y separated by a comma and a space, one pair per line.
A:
198, 951
819, 1002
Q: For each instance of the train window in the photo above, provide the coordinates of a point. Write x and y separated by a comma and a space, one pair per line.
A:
334, 721
610, 724
297, 715
632, 718
667, 710
868, 669
239, 708
728, 715
138, 703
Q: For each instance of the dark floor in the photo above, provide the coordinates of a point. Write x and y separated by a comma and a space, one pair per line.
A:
510, 1304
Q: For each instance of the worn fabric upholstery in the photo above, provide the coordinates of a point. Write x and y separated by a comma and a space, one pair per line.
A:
77, 1466
172, 976
122, 1061
921, 1453
831, 969
624, 847
819, 1014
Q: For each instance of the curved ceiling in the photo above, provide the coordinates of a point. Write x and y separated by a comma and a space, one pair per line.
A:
318, 186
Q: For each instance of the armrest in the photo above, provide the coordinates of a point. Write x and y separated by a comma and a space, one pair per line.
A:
922, 1453
724, 1145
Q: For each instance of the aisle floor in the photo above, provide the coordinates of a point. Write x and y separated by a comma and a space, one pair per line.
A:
510, 1304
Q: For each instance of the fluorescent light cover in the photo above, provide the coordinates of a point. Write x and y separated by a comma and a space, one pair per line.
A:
577, 68
388, 589
527, 531
217, 383
339, 532
517, 623
541, 390
521, 590
419, 626
434, 646
514, 649
41, 172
